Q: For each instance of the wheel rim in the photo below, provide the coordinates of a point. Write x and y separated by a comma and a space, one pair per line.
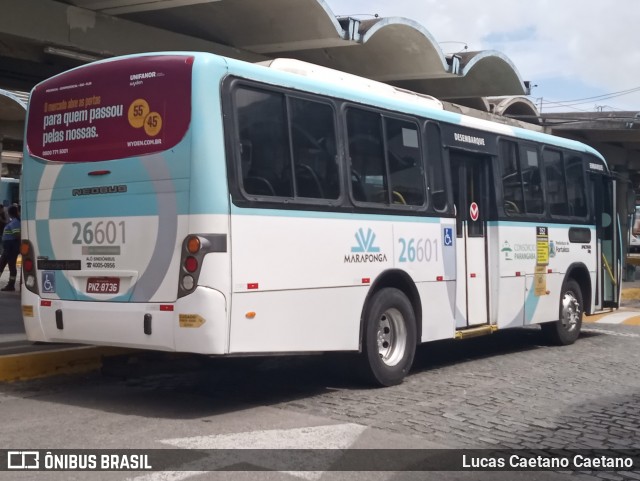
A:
391, 337
570, 311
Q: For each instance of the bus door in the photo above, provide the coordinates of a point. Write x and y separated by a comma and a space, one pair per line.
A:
470, 189
607, 233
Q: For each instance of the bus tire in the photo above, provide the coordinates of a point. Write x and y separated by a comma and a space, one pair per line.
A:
566, 330
389, 338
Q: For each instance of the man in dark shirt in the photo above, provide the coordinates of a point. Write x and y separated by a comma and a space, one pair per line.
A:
3, 221
11, 247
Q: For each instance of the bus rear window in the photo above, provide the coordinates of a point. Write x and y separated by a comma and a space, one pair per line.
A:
111, 110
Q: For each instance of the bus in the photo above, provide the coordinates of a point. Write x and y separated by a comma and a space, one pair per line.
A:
9, 191
189, 202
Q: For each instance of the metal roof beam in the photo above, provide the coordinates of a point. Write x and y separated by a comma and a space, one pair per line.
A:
98, 33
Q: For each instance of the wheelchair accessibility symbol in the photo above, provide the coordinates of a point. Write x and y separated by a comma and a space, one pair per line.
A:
447, 237
49, 282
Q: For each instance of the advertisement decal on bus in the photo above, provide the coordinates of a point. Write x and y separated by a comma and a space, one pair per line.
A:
112, 110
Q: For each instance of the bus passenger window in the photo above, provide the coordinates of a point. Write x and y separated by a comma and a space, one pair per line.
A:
314, 149
436, 177
405, 162
369, 181
264, 142
556, 186
576, 196
513, 200
531, 180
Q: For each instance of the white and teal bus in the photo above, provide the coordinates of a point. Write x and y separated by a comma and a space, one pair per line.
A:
194, 203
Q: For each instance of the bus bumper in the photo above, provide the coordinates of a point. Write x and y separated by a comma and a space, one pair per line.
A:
196, 323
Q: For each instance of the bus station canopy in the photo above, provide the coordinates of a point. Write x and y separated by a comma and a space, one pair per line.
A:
42, 37
13, 110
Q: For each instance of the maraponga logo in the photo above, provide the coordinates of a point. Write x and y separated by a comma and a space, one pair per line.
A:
365, 250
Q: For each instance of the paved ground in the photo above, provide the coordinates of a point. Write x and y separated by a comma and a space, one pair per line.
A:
508, 391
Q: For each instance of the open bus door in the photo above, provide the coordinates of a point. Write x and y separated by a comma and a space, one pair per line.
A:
470, 174
609, 240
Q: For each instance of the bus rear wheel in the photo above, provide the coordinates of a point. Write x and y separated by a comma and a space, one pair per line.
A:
389, 340
566, 329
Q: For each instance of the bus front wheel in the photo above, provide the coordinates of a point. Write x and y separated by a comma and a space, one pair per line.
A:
567, 329
389, 341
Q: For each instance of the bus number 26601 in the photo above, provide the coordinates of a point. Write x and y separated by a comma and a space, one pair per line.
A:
420, 250
99, 233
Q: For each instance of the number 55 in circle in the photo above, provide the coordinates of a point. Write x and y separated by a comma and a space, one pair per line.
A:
138, 111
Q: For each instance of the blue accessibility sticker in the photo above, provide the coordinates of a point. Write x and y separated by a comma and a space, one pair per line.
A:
49, 282
447, 236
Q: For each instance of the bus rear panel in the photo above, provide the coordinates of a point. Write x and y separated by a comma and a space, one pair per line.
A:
108, 192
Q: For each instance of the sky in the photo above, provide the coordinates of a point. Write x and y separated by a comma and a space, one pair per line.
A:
582, 55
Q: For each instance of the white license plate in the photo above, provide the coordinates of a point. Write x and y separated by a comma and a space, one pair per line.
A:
103, 285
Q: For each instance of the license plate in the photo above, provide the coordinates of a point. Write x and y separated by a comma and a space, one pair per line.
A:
103, 285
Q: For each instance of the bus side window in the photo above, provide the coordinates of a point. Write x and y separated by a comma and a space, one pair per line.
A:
368, 170
262, 128
314, 149
405, 162
511, 179
556, 185
531, 180
576, 195
435, 162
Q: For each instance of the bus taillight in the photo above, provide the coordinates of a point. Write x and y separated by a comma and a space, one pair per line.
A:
28, 265
29, 273
195, 247
191, 264
193, 244
193, 251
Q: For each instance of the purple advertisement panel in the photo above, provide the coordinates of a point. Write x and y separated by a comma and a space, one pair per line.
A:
111, 110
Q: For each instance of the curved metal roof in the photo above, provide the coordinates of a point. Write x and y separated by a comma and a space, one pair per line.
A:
395, 50
13, 106
13, 111
515, 107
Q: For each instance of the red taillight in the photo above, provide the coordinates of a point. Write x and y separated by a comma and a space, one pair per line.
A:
28, 265
191, 264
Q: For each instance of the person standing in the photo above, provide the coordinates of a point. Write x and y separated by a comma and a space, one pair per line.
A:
3, 221
11, 247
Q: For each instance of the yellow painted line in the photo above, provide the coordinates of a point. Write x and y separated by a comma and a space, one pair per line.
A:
631, 294
32, 365
634, 321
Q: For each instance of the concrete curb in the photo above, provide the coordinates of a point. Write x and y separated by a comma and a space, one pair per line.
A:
32, 365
